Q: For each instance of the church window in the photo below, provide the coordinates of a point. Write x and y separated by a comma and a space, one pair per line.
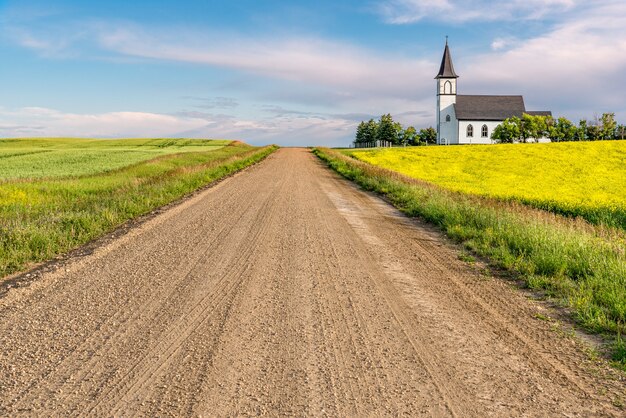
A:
485, 132
447, 87
470, 131
447, 118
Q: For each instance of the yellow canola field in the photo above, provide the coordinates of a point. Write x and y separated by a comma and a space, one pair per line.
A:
575, 178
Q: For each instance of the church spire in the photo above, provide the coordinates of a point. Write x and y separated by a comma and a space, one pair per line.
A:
447, 69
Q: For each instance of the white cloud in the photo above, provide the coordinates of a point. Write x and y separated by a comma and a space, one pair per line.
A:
344, 69
499, 44
46, 46
49, 40
580, 64
213, 102
43, 122
35, 121
411, 11
300, 131
284, 126
297, 59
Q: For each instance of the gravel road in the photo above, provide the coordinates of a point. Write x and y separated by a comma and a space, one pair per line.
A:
285, 290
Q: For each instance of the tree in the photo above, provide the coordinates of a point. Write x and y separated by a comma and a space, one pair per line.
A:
555, 132
534, 127
386, 130
399, 134
607, 126
410, 136
620, 132
542, 124
550, 122
581, 131
371, 130
562, 130
527, 127
360, 132
428, 135
594, 132
508, 131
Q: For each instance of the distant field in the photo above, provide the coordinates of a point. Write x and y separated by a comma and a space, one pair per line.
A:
586, 179
56, 194
64, 157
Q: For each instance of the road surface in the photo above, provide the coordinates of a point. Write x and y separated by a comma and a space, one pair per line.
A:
287, 291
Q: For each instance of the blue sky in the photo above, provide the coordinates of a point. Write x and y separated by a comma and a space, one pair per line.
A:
297, 72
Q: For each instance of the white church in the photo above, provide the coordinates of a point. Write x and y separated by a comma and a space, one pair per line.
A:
464, 119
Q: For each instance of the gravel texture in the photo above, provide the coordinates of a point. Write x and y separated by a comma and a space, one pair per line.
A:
285, 290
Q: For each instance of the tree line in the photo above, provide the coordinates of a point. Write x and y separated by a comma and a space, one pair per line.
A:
386, 129
528, 128
531, 127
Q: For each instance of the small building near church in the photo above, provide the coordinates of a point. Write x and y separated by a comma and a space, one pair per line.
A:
470, 119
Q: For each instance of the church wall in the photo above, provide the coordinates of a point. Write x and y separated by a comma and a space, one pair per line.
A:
477, 138
447, 130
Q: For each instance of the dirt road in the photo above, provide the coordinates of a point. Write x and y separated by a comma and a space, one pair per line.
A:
286, 291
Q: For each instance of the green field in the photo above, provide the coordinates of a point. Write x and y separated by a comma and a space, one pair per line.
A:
579, 264
70, 157
586, 179
83, 192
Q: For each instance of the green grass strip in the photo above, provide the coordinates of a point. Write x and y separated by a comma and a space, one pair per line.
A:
41, 219
570, 260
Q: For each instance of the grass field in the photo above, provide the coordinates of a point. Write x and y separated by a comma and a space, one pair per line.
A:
64, 157
582, 265
586, 179
45, 213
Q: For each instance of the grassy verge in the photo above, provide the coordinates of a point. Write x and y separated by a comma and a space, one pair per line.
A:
577, 263
40, 219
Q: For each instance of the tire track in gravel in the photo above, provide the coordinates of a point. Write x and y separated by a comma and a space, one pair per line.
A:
489, 302
127, 323
287, 291
123, 316
125, 319
219, 296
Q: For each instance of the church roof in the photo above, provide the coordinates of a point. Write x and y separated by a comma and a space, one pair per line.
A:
539, 112
488, 107
447, 69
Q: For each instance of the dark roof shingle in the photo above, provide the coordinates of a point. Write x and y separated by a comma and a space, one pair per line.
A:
447, 69
539, 112
469, 107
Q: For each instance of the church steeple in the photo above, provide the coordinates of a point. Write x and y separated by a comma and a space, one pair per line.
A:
447, 124
447, 69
